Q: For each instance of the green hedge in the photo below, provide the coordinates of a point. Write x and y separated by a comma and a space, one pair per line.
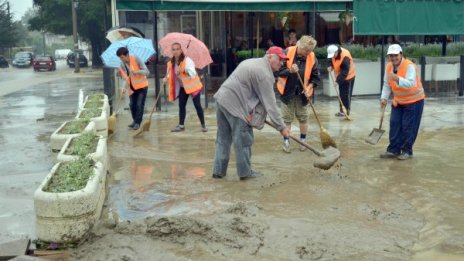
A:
246, 54
374, 52
411, 50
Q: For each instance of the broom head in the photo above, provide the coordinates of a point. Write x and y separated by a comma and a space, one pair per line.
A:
144, 127
326, 140
112, 123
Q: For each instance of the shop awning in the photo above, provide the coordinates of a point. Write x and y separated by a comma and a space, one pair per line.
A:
237, 5
408, 17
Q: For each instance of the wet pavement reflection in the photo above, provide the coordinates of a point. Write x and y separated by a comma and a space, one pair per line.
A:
394, 209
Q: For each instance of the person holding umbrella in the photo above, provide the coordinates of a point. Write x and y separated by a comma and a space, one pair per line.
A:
134, 71
243, 101
183, 82
403, 80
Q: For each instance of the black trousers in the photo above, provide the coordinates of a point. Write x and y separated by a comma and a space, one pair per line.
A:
346, 92
137, 104
183, 98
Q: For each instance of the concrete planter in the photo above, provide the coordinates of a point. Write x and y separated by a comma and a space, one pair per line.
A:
57, 139
101, 122
100, 154
105, 107
63, 217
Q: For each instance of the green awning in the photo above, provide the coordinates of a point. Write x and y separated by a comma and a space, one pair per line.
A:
257, 5
408, 17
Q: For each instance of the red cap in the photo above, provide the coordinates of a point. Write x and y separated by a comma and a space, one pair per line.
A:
277, 50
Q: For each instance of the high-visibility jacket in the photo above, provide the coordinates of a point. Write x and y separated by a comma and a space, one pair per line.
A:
404, 96
338, 62
191, 84
310, 61
137, 81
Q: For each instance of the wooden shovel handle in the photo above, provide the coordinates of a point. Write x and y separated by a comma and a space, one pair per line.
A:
309, 100
317, 152
381, 117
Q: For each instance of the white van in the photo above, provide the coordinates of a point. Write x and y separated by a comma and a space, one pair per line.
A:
61, 53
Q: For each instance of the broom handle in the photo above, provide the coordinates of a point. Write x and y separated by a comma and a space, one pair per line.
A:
318, 153
335, 87
154, 107
309, 100
118, 103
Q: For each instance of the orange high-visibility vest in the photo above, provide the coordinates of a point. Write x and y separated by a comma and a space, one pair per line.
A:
337, 64
137, 81
310, 61
404, 96
190, 84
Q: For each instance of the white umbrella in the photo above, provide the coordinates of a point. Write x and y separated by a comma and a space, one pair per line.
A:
122, 32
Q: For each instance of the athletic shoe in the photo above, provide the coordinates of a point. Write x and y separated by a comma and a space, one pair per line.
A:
388, 155
303, 148
178, 128
404, 156
286, 146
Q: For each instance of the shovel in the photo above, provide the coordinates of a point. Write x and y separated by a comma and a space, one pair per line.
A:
375, 135
327, 157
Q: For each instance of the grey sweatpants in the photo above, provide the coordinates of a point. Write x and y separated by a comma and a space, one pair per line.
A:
231, 129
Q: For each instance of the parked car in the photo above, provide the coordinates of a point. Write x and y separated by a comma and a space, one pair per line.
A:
83, 62
3, 62
23, 59
44, 62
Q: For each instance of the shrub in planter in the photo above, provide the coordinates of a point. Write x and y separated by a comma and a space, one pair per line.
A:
98, 100
98, 116
69, 200
70, 129
86, 145
246, 54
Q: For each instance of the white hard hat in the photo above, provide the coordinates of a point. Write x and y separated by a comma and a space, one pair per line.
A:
394, 49
331, 50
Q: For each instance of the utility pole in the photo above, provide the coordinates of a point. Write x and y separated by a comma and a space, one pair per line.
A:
43, 39
74, 4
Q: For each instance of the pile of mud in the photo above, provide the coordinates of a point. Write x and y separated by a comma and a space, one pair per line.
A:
243, 231
223, 235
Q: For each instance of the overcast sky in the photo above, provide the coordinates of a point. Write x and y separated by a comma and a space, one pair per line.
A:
19, 7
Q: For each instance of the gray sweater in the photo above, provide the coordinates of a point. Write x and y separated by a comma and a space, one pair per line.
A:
251, 83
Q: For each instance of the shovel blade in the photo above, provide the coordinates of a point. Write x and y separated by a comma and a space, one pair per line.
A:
375, 136
327, 158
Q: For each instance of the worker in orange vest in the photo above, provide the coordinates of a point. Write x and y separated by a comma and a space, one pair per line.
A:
293, 96
341, 63
135, 72
183, 82
403, 81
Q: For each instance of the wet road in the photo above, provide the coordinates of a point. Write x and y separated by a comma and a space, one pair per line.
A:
36, 105
364, 208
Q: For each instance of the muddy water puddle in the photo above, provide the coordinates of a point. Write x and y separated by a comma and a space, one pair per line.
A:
364, 208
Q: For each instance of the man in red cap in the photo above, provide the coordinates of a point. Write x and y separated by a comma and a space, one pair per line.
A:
243, 102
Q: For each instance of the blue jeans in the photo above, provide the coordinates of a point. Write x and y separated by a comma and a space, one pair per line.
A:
231, 129
404, 126
137, 104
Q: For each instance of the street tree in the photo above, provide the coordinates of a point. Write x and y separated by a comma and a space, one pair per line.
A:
8, 28
91, 21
